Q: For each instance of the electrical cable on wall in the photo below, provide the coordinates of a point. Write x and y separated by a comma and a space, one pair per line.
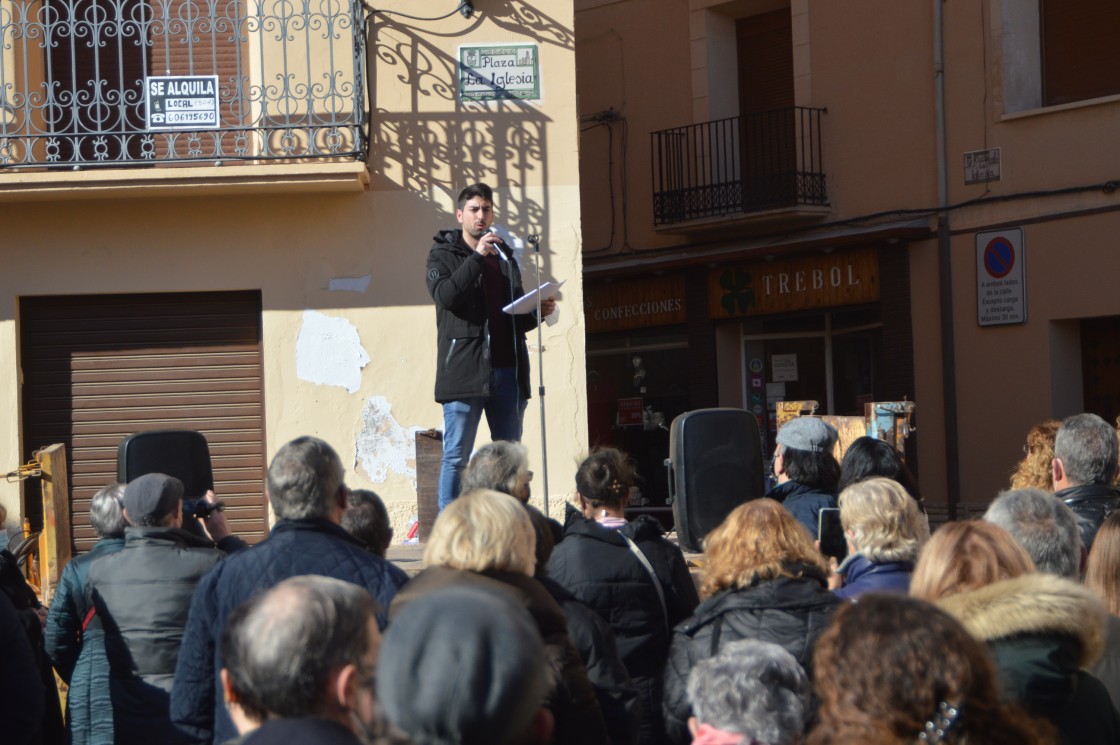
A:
1107, 187
607, 118
465, 9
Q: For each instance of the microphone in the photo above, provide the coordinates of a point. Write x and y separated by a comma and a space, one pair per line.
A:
501, 254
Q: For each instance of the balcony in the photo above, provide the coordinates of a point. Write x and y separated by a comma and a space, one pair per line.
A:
102, 84
761, 165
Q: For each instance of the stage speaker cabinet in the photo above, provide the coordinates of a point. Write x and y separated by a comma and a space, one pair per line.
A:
182, 453
715, 464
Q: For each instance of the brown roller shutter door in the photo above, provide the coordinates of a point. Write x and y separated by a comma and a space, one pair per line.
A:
97, 368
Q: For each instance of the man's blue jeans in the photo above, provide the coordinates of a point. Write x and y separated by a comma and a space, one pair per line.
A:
505, 411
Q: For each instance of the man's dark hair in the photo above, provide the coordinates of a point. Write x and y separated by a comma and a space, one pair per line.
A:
1086, 445
304, 479
281, 646
818, 471
367, 520
476, 190
153, 521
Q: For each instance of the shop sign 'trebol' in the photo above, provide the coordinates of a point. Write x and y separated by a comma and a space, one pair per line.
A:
798, 283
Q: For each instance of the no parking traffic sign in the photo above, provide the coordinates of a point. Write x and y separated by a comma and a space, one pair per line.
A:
1001, 277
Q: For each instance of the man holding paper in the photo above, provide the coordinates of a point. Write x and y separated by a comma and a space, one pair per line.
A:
482, 359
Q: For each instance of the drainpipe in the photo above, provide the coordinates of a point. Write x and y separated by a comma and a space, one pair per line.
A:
945, 271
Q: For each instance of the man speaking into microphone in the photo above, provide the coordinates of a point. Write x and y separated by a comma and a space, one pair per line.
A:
482, 361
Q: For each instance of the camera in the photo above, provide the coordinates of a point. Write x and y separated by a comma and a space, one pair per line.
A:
201, 509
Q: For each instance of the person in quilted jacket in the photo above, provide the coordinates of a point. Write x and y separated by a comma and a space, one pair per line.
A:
74, 639
308, 495
763, 580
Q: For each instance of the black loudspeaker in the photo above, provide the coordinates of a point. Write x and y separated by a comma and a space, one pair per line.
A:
715, 465
182, 453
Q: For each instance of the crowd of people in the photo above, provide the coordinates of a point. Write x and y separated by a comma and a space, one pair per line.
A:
522, 630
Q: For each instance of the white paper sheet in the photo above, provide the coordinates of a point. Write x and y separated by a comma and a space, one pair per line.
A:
528, 302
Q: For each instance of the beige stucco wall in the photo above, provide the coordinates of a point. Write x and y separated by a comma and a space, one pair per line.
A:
426, 147
1011, 377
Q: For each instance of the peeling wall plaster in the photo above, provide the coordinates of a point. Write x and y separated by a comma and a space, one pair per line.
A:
329, 352
384, 445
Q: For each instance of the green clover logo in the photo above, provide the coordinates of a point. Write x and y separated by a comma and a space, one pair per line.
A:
738, 293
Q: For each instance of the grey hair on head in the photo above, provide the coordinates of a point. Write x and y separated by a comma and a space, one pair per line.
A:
498, 465
1043, 525
752, 688
106, 511
1087, 447
281, 646
304, 479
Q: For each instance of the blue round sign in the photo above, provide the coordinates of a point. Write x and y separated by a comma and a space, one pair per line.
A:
999, 257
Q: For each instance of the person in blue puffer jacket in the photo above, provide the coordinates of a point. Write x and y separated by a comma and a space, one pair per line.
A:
884, 530
74, 640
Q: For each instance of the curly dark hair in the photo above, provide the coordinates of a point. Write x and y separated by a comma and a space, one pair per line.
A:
885, 665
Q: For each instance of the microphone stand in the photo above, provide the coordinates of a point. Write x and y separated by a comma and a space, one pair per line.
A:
535, 241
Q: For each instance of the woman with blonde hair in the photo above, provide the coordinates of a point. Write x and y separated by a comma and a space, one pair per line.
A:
486, 539
1102, 576
884, 528
1042, 630
763, 579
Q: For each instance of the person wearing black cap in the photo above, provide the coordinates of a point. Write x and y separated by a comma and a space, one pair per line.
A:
807, 471
141, 595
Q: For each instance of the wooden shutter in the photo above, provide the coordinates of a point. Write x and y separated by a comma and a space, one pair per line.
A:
205, 48
97, 368
766, 99
765, 45
108, 70
1080, 53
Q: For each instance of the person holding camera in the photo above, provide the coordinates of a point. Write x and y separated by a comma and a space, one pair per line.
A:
141, 595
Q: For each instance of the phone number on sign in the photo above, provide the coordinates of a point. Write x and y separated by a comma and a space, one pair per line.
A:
191, 117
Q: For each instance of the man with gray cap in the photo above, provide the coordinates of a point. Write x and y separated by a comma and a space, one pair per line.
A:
464, 665
141, 595
806, 469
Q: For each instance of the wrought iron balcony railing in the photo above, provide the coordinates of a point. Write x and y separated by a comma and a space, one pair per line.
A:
738, 165
116, 82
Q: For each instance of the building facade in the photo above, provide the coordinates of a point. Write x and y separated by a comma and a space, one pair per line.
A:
218, 219
848, 203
